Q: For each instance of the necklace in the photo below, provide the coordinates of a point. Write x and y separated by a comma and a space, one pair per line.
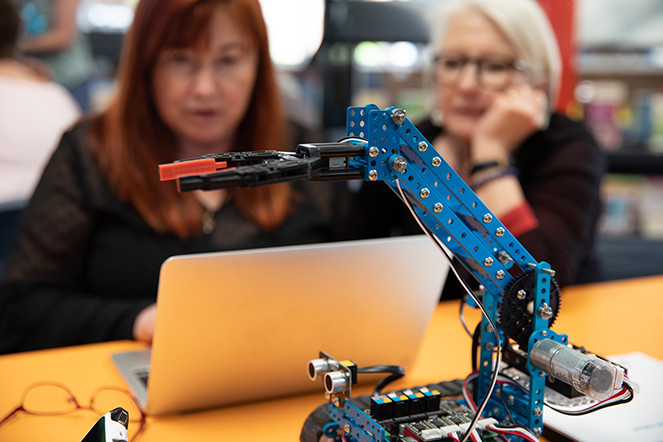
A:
208, 221
211, 201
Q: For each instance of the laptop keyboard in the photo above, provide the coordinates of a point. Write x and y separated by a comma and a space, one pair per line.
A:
144, 376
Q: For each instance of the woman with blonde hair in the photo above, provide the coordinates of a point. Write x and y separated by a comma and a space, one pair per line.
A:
495, 80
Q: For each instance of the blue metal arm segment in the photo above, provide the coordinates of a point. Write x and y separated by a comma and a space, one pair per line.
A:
396, 150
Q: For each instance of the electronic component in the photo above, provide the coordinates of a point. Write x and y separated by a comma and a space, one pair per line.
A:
111, 427
589, 375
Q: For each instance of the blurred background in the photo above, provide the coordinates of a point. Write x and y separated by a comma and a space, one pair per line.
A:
337, 53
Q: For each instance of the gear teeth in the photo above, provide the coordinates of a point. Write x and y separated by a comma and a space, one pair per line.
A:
514, 318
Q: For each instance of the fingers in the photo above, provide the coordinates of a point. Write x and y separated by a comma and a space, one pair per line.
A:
528, 101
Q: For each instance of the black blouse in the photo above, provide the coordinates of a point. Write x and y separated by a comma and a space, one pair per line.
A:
83, 264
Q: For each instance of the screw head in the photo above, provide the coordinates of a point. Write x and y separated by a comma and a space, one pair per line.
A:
423, 146
488, 262
425, 193
437, 208
545, 312
399, 164
487, 218
398, 116
521, 294
538, 411
373, 152
436, 161
500, 274
499, 231
373, 175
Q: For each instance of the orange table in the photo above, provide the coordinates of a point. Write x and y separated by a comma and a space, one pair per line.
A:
608, 318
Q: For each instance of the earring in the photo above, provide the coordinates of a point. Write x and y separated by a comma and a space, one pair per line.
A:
436, 117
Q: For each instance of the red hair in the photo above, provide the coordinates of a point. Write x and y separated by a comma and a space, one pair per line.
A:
130, 140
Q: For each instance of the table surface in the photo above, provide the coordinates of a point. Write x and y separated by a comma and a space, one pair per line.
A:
607, 318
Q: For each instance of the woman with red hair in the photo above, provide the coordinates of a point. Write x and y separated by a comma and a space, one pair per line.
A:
195, 77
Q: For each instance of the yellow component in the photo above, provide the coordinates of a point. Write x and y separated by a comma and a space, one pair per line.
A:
419, 394
348, 363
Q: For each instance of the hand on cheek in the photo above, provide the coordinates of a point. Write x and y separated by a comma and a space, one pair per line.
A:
514, 115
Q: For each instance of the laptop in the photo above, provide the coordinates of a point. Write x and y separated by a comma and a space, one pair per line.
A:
241, 326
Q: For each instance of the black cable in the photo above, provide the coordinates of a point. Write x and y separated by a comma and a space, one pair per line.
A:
475, 347
599, 407
396, 372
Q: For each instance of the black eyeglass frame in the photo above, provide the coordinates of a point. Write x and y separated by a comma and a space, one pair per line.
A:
514, 64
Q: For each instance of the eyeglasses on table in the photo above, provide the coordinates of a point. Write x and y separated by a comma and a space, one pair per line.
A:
55, 399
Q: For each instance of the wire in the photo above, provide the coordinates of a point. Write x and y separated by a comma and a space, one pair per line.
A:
462, 316
624, 395
498, 353
344, 139
517, 431
396, 372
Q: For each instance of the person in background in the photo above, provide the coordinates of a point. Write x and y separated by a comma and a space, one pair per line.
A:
34, 112
196, 77
495, 81
51, 36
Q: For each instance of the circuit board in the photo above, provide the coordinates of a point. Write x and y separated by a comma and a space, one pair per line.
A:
434, 412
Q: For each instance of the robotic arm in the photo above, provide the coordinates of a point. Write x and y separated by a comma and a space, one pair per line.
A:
520, 296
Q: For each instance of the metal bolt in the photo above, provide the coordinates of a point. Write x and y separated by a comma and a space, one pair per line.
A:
538, 411
489, 346
545, 311
425, 193
346, 428
510, 399
398, 116
436, 161
545, 270
544, 332
423, 146
373, 175
521, 294
487, 218
336, 401
488, 262
537, 431
373, 152
496, 411
399, 164
489, 328
500, 274
499, 231
437, 208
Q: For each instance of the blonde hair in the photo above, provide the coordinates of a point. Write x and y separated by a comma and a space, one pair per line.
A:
526, 27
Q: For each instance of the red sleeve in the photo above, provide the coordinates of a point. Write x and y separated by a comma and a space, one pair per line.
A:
520, 220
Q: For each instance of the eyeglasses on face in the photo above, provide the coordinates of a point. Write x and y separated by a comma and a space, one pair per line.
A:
492, 73
54, 399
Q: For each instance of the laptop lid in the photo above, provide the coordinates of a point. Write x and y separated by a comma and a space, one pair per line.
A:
241, 326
